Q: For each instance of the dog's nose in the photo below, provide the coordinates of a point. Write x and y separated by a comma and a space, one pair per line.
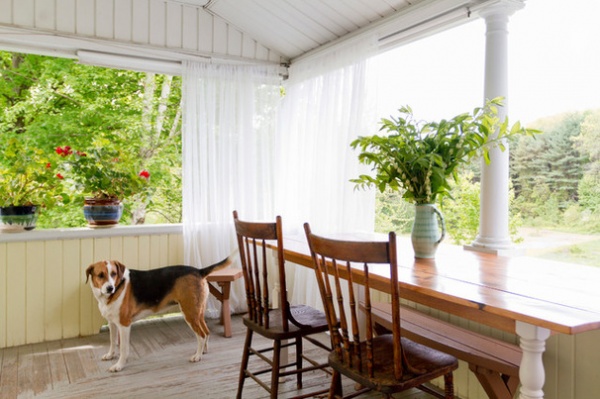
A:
109, 289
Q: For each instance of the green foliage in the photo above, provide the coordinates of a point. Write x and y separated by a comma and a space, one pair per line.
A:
28, 176
57, 102
462, 212
589, 192
104, 172
392, 213
549, 167
588, 140
422, 158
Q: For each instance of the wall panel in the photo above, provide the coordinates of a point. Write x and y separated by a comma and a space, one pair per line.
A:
24, 14
16, 295
6, 16
43, 295
104, 19
158, 23
36, 274
65, 16
174, 23
53, 290
123, 18
45, 12
140, 29
85, 18
3, 294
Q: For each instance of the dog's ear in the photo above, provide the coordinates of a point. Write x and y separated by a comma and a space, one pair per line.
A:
120, 268
88, 272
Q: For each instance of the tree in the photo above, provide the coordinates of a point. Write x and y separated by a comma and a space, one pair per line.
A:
548, 166
56, 102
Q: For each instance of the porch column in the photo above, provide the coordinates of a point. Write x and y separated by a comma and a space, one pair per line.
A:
493, 220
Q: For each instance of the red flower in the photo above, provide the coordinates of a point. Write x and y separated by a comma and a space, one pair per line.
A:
58, 175
64, 151
145, 174
48, 165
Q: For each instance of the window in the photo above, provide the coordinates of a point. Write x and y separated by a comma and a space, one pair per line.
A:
62, 110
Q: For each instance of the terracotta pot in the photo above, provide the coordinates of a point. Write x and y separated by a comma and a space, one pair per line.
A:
102, 212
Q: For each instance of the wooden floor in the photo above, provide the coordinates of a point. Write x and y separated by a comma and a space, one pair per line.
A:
158, 367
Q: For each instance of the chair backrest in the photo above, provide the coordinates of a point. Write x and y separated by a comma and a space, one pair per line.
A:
252, 242
333, 261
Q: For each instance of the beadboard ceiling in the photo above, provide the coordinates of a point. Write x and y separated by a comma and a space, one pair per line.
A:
295, 27
274, 31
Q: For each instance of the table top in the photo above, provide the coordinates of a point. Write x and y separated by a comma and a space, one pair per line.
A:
494, 290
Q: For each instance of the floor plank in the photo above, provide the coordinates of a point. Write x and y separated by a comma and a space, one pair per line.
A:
158, 366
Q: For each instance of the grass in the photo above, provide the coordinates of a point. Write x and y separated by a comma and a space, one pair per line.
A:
586, 253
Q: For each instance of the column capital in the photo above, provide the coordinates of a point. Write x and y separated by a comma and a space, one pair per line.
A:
501, 8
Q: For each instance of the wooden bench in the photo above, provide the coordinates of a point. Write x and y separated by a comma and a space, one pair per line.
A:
494, 362
224, 278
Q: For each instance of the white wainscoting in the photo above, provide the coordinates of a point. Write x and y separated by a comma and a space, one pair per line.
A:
43, 295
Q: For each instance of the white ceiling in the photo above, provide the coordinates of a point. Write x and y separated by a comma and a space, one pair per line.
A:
295, 27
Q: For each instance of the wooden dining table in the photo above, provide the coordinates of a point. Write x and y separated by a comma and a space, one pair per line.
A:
531, 297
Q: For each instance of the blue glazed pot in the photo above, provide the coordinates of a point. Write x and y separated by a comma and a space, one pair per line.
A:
102, 212
426, 233
17, 219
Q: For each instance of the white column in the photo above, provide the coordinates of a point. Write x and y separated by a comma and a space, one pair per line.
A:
532, 340
493, 221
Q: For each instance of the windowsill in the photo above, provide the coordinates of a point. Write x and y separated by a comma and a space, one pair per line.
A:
86, 232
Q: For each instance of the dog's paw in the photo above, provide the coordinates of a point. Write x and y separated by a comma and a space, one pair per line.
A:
108, 356
196, 358
116, 367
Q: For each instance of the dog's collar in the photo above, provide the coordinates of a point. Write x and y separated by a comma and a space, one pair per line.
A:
117, 288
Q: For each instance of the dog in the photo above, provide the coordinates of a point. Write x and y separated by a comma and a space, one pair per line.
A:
125, 295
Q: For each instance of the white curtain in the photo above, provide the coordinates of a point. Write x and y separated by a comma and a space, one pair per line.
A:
328, 103
229, 114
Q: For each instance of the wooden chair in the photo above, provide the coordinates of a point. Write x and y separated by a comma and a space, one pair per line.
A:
287, 325
386, 363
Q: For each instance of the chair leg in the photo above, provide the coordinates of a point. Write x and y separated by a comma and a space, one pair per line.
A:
299, 362
275, 371
449, 385
335, 390
244, 365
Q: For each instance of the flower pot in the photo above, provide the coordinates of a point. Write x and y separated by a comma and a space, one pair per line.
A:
426, 233
102, 212
17, 219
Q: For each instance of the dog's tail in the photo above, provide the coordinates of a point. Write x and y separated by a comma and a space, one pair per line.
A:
219, 265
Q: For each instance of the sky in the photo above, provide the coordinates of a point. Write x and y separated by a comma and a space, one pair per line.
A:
554, 65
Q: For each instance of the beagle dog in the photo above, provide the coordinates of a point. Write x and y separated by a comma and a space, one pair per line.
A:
126, 295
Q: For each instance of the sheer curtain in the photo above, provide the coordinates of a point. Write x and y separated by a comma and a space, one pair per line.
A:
328, 103
228, 128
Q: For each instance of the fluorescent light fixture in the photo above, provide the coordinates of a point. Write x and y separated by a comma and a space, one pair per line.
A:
128, 62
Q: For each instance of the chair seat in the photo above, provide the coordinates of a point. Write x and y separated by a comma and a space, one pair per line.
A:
430, 362
303, 320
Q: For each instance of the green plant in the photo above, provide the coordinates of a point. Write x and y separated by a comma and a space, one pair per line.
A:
28, 176
421, 157
103, 171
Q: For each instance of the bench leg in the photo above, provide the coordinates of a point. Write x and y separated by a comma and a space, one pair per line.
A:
223, 297
225, 309
496, 385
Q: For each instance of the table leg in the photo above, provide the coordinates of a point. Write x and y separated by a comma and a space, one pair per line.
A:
532, 340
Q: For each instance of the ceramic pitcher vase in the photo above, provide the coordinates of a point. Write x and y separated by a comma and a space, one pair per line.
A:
426, 232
